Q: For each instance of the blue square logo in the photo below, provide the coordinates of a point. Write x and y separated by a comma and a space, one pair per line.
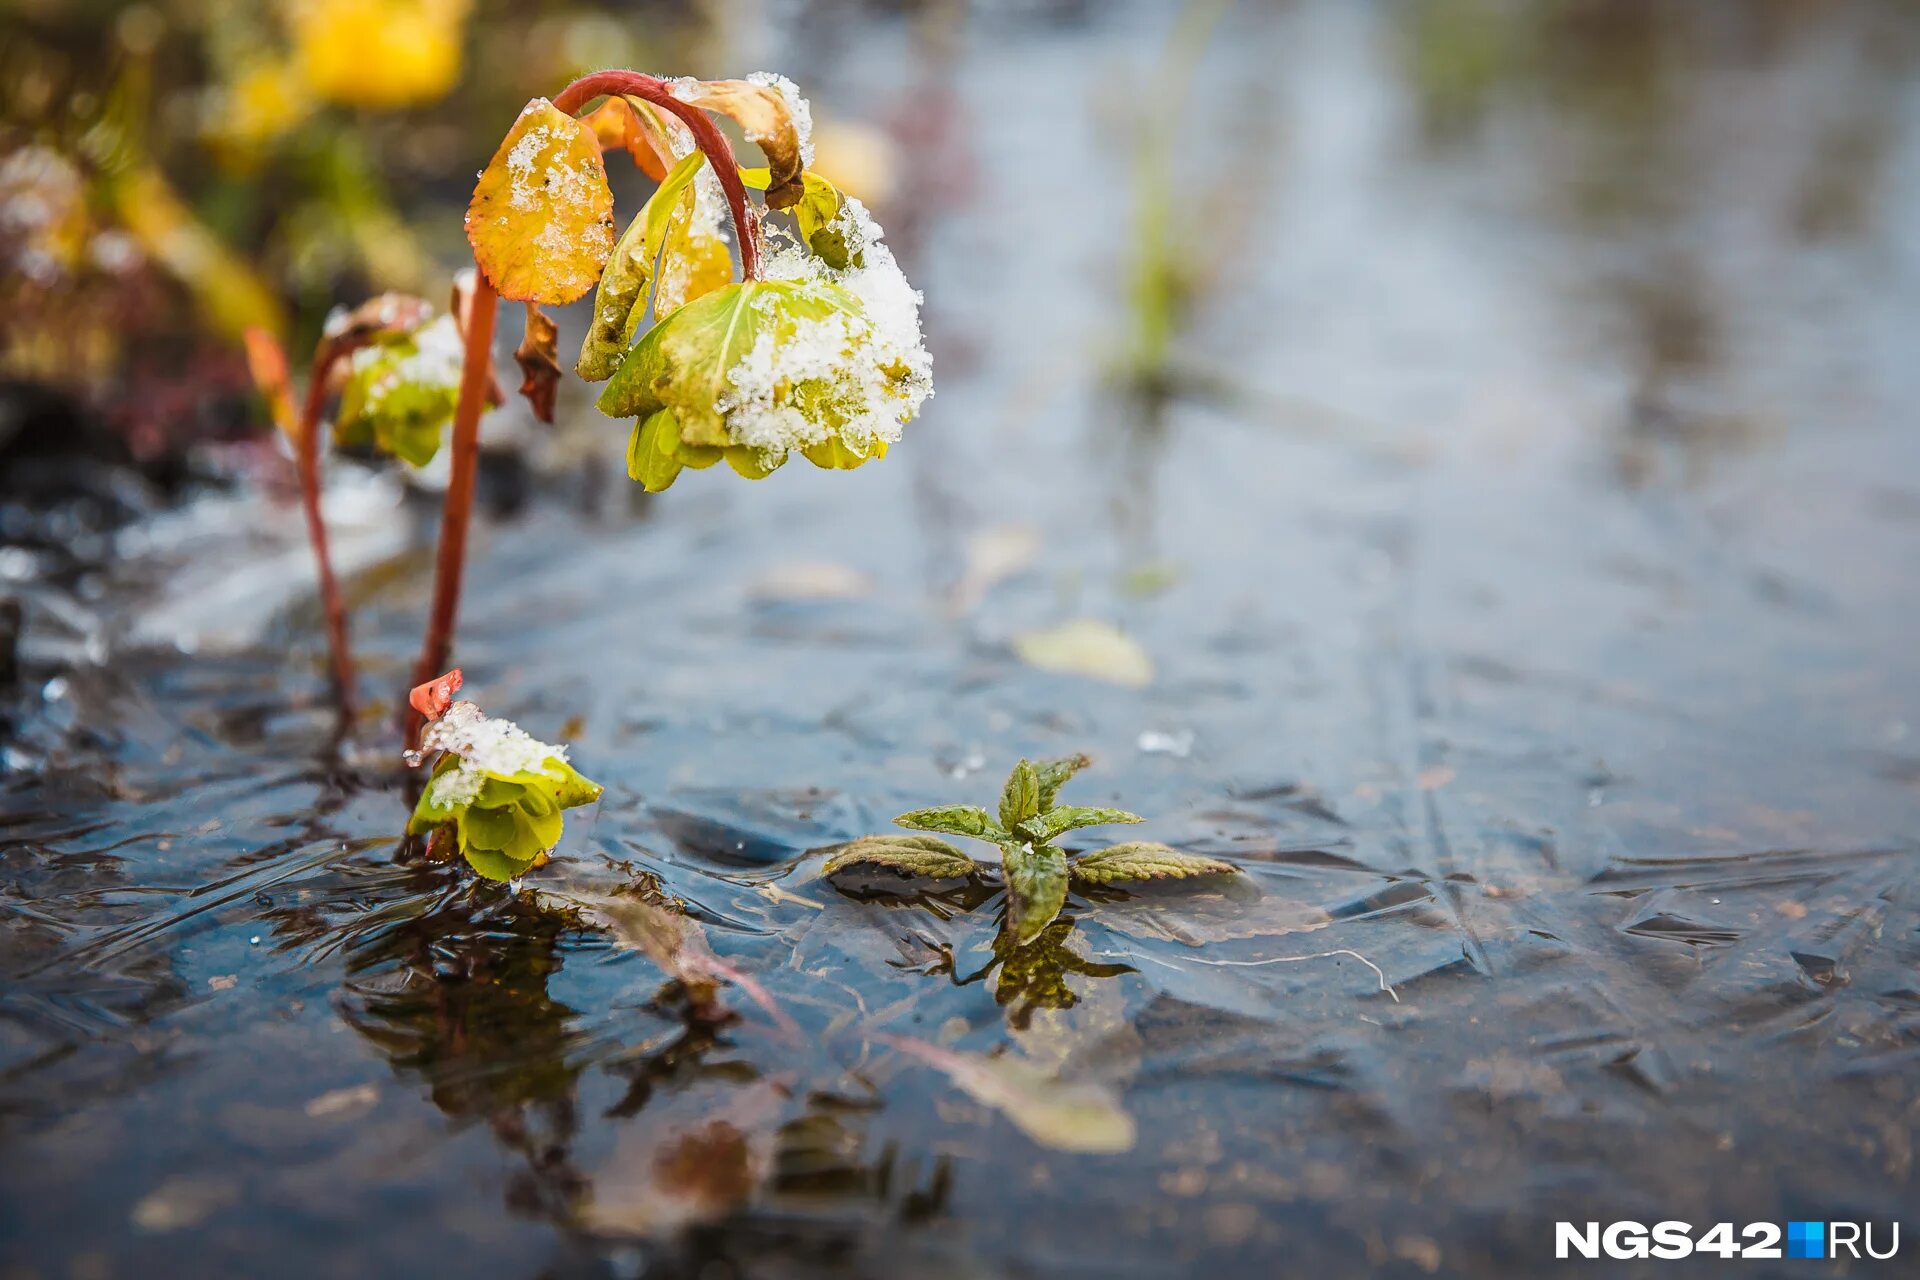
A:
1806, 1239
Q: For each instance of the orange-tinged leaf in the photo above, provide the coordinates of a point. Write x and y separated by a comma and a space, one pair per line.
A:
434, 697
267, 362
541, 221
538, 356
766, 115
619, 126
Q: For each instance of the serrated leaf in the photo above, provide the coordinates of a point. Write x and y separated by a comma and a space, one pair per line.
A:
541, 219
909, 855
1020, 797
1053, 774
538, 356
1065, 1115
955, 820
1036, 889
620, 303
1067, 817
1144, 860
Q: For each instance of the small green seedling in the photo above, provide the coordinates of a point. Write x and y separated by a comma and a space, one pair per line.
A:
1036, 873
496, 792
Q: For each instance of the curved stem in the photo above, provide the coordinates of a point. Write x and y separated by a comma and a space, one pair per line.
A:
309, 466
706, 136
476, 371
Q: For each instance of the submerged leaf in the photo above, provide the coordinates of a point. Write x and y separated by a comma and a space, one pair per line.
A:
1064, 1115
538, 356
1036, 889
1067, 817
1087, 647
1020, 797
1144, 860
909, 855
541, 220
954, 820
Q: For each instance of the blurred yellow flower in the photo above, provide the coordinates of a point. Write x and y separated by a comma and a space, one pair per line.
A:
266, 99
379, 53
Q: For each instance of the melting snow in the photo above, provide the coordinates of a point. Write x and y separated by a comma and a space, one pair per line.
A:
486, 747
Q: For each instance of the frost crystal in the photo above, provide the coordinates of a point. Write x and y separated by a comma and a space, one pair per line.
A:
486, 747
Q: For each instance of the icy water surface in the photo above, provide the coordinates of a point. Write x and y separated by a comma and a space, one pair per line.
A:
1523, 533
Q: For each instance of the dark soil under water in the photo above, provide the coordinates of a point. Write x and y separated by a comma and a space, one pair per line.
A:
1525, 551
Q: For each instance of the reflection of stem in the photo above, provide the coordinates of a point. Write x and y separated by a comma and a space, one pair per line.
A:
309, 455
706, 136
476, 372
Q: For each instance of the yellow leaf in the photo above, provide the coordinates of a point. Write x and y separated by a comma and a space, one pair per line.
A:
541, 221
1087, 647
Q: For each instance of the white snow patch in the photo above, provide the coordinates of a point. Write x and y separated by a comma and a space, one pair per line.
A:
486, 747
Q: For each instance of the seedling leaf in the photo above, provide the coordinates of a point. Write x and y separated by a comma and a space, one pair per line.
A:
925, 856
1067, 817
1144, 860
1020, 798
1054, 773
955, 820
1036, 889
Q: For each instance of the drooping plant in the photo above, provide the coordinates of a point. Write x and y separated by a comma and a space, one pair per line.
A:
814, 350
496, 794
1035, 872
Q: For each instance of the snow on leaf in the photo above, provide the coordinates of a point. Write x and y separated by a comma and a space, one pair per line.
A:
925, 856
541, 220
1087, 647
1036, 889
775, 118
954, 820
1080, 1116
1144, 860
401, 390
621, 300
1068, 817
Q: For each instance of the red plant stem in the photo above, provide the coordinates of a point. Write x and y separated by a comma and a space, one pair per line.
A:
309, 465
706, 136
476, 371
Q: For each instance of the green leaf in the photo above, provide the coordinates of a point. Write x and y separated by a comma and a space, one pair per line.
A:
1020, 798
621, 300
1036, 889
818, 216
426, 814
1144, 860
1053, 773
1067, 817
400, 392
909, 855
955, 820
571, 788
1076, 1115
495, 865
650, 452
490, 829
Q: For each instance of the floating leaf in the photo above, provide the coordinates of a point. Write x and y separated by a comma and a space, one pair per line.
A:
541, 220
621, 301
1144, 860
538, 356
1067, 817
1036, 889
774, 117
1087, 647
909, 855
1053, 774
955, 820
1020, 797
1064, 1115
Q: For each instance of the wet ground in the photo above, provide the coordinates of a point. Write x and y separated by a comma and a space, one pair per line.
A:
1522, 529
